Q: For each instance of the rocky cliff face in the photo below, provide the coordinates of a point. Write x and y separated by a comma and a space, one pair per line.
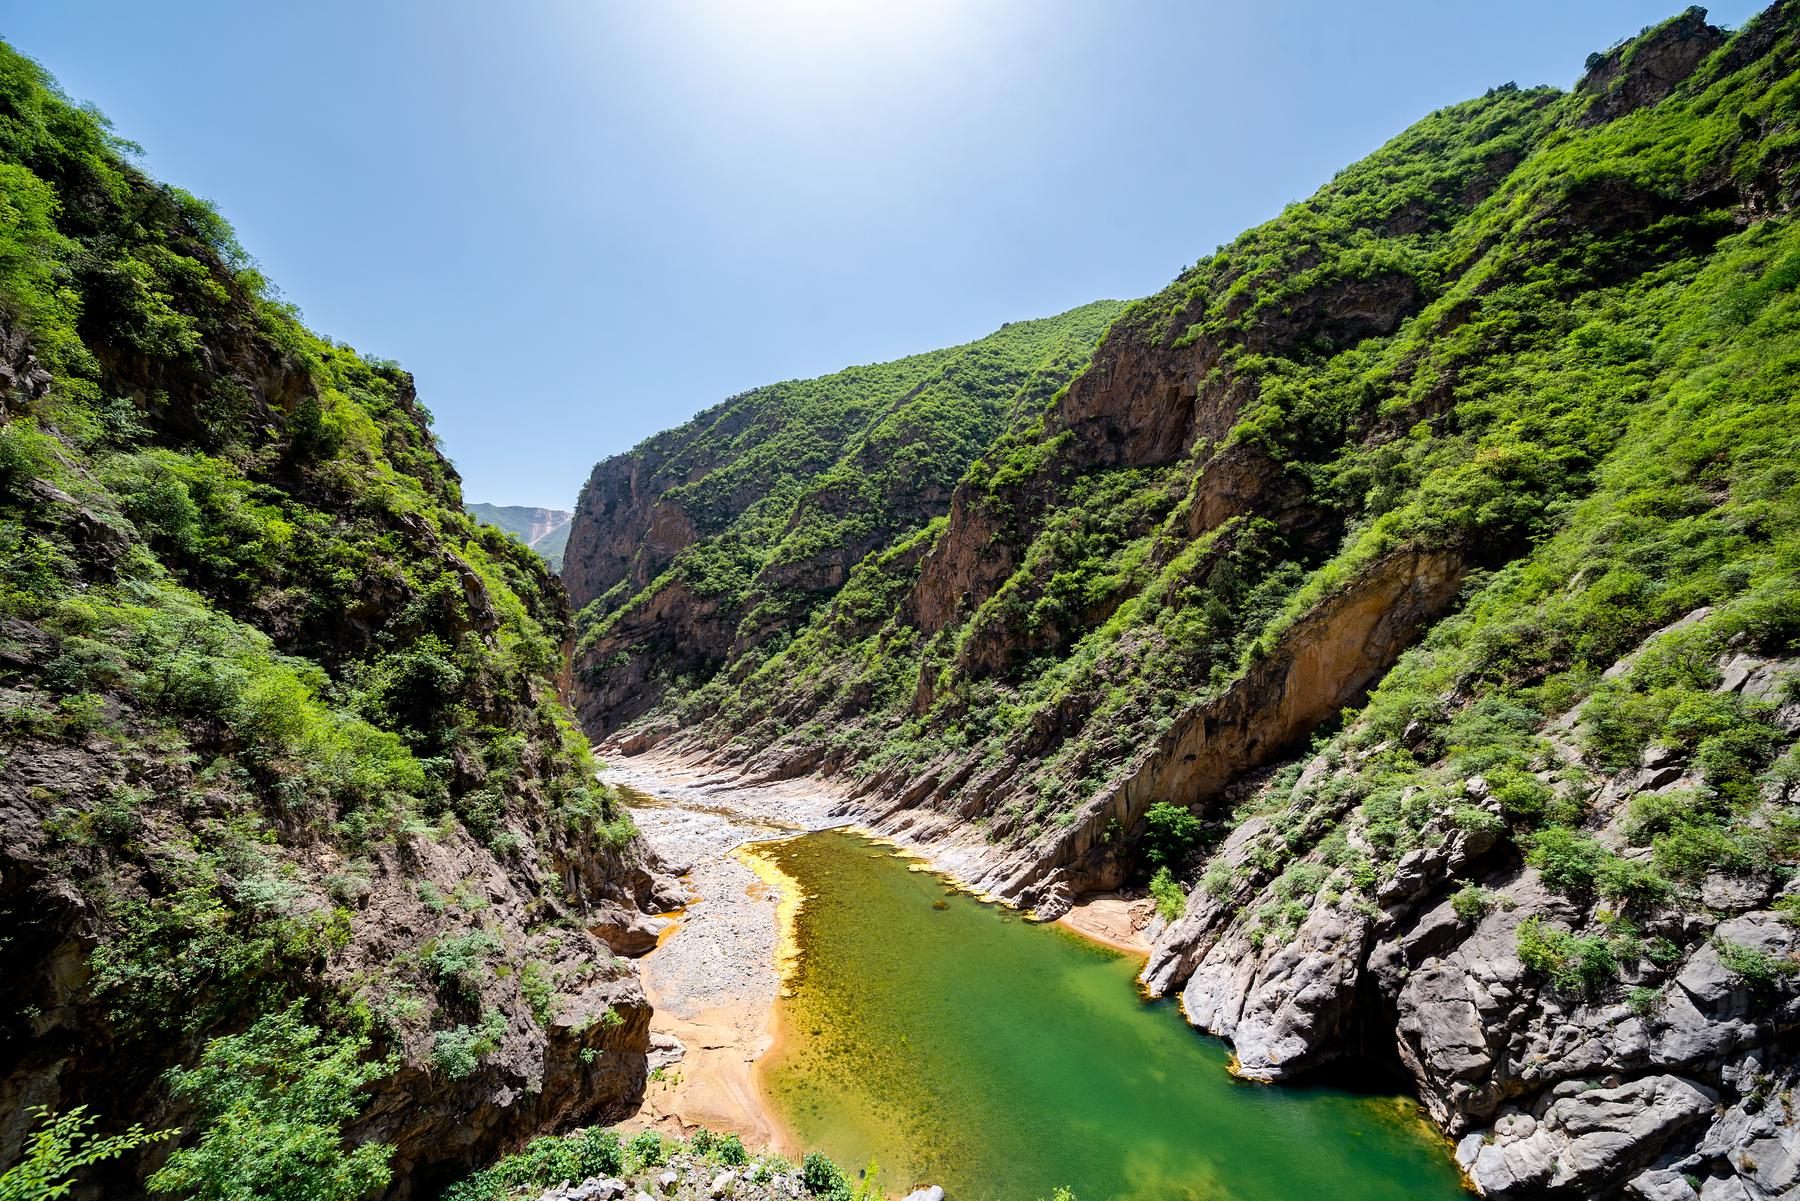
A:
279, 721
1580, 1037
1434, 544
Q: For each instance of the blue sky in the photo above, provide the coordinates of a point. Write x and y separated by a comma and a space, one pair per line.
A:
579, 223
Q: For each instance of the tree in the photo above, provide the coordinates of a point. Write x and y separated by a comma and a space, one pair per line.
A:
1169, 830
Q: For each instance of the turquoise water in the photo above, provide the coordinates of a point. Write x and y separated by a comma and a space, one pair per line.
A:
958, 1044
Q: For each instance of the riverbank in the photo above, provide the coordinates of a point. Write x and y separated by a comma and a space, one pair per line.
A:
713, 978
715, 975
1113, 920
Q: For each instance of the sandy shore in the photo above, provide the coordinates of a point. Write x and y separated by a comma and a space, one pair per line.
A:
714, 978
1112, 920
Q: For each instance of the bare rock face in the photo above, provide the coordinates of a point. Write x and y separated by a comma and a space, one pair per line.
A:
1585, 1138
1646, 69
622, 531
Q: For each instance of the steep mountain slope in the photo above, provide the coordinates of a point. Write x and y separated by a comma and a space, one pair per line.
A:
1522, 384
289, 799
698, 552
545, 531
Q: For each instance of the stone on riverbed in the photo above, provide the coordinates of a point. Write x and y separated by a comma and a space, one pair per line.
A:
934, 1193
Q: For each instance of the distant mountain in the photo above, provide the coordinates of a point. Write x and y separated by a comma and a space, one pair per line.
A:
545, 531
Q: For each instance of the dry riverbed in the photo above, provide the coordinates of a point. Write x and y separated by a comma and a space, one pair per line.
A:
714, 977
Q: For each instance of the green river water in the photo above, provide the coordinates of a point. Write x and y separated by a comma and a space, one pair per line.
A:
958, 1044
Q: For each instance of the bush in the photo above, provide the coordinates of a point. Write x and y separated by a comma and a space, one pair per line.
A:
1523, 798
1171, 898
273, 1102
822, 1177
1759, 971
646, 1149
1568, 861
544, 1163
455, 963
1571, 963
1631, 883
1471, 902
457, 1052
1169, 832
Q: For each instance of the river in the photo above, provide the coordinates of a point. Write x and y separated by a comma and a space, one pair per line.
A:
955, 1042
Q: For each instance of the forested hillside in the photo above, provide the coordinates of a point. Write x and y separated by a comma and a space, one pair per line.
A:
701, 551
303, 859
1518, 388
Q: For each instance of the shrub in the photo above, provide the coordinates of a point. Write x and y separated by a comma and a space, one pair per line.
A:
457, 1052
1567, 860
729, 1150
1171, 898
1759, 971
646, 1149
1571, 963
539, 993
822, 1177
1631, 883
1169, 831
455, 962
1471, 902
544, 1163
274, 1101
1523, 798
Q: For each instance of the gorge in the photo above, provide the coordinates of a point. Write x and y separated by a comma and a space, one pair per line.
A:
1391, 627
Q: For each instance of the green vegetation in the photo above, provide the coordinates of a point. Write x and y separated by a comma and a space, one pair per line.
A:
1759, 971
1171, 898
60, 1146
275, 1100
545, 1163
1571, 962
790, 487
1169, 832
1547, 354
258, 661
545, 531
